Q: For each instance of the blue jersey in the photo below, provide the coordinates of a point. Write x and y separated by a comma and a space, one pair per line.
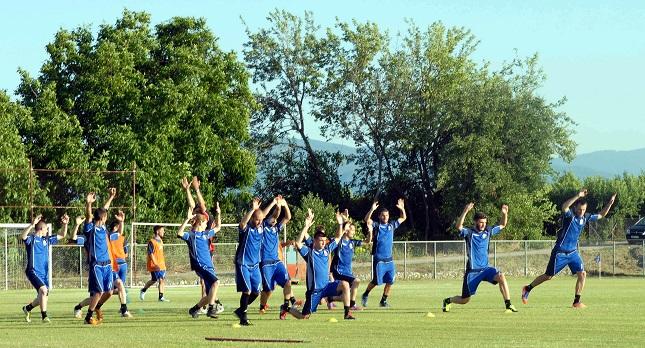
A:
249, 244
96, 244
80, 240
342, 260
38, 252
317, 265
270, 241
570, 231
477, 246
383, 239
199, 248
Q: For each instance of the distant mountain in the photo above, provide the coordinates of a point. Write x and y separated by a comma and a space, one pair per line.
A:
606, 163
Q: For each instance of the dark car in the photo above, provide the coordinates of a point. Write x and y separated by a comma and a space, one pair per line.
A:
636, 233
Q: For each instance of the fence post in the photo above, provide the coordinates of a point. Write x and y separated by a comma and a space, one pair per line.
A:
434, 257
6, 261
464, 249
613, 271
132, 248
80, 265
405, 260
526, 258
643, 257
495, 254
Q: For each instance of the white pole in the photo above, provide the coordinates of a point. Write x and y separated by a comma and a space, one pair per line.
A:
6, 261
49, 267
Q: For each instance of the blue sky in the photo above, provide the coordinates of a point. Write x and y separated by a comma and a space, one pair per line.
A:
593, 52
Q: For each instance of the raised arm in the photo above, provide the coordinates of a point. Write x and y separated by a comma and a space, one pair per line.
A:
368, 216
200, 198
309, 220
401, 205
341, 230
63, 229
254, 206
28, 229
91, 198
189, 196
370, 231
120, 217
504, 220
607, 206
218, 219
568, 202
112, 194
462, 217
182, 228
287, 212
268, 208
79, 221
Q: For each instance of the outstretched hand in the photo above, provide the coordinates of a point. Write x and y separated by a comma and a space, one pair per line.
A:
256, 203
582, 193
184, 183
613, 198
196, 183
469, 206
309, 220
217, 209
91, 197
37, 219
79, 220
112, 192
339, 218
504, 209
374, 205
120, 216
64, 219
400, 204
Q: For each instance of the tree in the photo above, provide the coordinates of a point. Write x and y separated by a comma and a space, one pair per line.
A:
286, 60
166, 99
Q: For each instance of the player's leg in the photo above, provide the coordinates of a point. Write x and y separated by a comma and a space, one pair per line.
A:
148, 284
343, 288
108, 285
37, 282
162, 286
353, 292
554, 266
211, 282
244, 288
78, 313
96, 288
43, 293
500, 279
268, 285
373, 283
120, 287
255, 279
463, 299
389, 273
577, 267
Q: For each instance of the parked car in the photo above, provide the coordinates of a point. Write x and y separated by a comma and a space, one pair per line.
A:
636, 233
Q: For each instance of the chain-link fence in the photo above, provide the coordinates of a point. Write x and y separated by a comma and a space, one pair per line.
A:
414, 259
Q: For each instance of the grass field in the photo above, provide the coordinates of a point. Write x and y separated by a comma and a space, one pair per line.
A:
615, 317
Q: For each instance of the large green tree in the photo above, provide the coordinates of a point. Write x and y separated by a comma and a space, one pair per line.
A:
165, 99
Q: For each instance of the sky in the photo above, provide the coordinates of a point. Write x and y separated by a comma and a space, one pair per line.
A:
593, 52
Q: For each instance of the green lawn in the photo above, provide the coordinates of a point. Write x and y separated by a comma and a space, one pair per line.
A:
615, 317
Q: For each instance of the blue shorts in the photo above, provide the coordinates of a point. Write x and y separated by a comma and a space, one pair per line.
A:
474, 277
37, 279
273, 273
157, 275
313, 297
559, 260
383, 272
122, 273
343, 277
209, 277
248, 278
100, 278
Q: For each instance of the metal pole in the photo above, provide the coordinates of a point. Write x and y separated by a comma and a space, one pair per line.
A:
464, 249
405, 260
6, 261
132, 268
50, 251
643, 257
614, 260
80, 265
434, 257
526, 258
495, 254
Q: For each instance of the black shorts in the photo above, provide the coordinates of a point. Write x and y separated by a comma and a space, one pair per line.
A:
348, 279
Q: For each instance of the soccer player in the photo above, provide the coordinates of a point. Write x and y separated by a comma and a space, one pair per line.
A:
119, 251
477, 269
565, 250
200, 259
97, 246
247, 258
156, 264
318, 284
383, 270
272, 269
38, 246
341, 264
